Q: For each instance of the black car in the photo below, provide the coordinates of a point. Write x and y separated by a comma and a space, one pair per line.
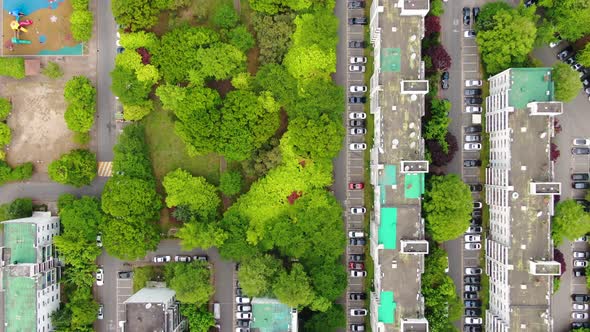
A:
475, 187
444, 80
239, 292
120, 50
577, 325
472, 312
358, 21
565, 53
580, 151
356, 123
529, 3
579, 272
243, 323
470, 295
356, 257
472, 303
476, 213
472, 92
473, 100
357, 296
476, 222
570, 61
473, 129
472, 328
471, 163
356, 44
473, 138
125, 274
466, 16
581, 185
581, 297
357, 241
356, 4
475, 13
580, 177
472, 279
357, 100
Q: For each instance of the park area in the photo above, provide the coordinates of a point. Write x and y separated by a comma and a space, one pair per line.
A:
38, 27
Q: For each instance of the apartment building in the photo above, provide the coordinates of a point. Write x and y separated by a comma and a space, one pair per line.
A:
153, 309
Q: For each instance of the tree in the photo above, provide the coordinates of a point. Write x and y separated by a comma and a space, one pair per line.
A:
317, 28
5, 134
124, 196
441, 60
81, 24
20, 208
439, 156
129, 238
135, 14
199, 318
83, 307
200, 234
310, 62
135, 40
316, 138
258, 273
584, 56
328, 321
436, 8
241, 38
127, 87
220, 61
293, 288
317, 97
225, 16
193, 191
329, 279
77, 168
81, 98
234, 247
190, 281
137, 112
20, 172
567, 82
273, 34
52, 70
569, 18
5, 108
286, 92
13, 67
485, 19
431, 25
274, 6
131, 155
570, 221
448, 207
230, 183
80, 4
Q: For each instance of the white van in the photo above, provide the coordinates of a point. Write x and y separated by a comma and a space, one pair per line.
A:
217, 310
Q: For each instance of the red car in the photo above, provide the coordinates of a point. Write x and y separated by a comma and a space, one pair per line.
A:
353, 186
356, 266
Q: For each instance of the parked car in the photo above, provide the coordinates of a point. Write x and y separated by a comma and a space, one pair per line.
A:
472, 303
473, 129
577, 325
477, 205
100, 312
353, 234
356, 68
580, 177
472, 146
565, 53
444, 80
242, 300
579, 272
472, 288
161, 259
357, 115
244, 308
358, 88
475, 221
201, 258
469, 295
555, 43
357, 241
581, 185
581, 239
474, 229
475, 13
473, 320
120, 49
471, 163
580, 306
358, 131
125, 274
581, 142
581, 298
358, 312
580, 263
357, 327
472, 92
473, 100
357, 146
358, 21
358, 210
476, 214
356, 44
475, 188
356, 257
473, 138
239, 292
469, 34
473, 270
472, 238
356, 266
243, 323
584, 203
472, 246
358, 273
356, 123
581, 254
472, 109
472, 279
356, 4
466, 16
99, 240
357, 100
472, 312
472, 328
356, 185
243, 315
357, 296
579, 315
358, 59
99, 276
580, 151
182, 258
473, 83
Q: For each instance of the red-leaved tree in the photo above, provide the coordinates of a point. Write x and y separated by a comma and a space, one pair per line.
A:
431, 25
554, 152
441, 60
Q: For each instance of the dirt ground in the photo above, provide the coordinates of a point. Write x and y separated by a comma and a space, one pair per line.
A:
39, 131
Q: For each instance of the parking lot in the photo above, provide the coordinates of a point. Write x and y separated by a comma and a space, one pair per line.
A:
124, 291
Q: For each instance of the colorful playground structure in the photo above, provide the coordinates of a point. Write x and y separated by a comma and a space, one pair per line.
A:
18, 26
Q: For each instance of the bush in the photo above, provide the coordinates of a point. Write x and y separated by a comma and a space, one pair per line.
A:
52, 70
81, 138
21, 172
441, 60
241, 38
431, 25
436, 8
80, 4
5, 134
77, 168
567, 82
81, 98
20, 208
225, 16
81, 23
13, 67
5, 108
437, 152
230, 183
137, 112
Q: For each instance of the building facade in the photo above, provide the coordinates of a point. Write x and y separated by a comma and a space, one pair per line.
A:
520, 190
30, 273
397, 90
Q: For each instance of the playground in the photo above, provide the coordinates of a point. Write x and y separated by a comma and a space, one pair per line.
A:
37, 27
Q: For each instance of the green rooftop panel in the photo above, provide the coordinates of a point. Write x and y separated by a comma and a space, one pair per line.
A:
19, 307
390, 60
530, 84
388, 228
414, 185
20, 238
270, 317
387, 308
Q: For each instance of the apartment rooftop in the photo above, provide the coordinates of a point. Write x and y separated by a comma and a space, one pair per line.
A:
416, 4
20, 239
529, 85
20, 298
270, 315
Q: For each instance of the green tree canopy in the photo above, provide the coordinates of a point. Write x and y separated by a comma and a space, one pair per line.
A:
234, 247
317, 28
273, 34
241, 38
199, 318
77, 168
124, 196
567, 82
5, 134
193, 191
225, 16
317, 97
81, 98
230, 183
21, 208
310, 62
583, 58
52, 70
258, 273
136, 14
570, 221
437, 126
293, 288
135, 40
200, 234
220, 61
131, 155
448, 206
570, 17
316, 138
128, 88
83, 307
328, 321
129, 238
286, 92
329, 279
5, 108
190, 281
13, 67
275, 6
81, 24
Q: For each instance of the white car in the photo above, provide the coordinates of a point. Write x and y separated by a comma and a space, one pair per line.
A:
357, 115
358, 273
161, 259
244, 308
473, 320
358, 131
580, 263
243, 315
472, 246
242, 300
469, 34
473, 270
355, 68
99, 277
579, 315
579, 254
182, 258
477, 205
472, 109
472, 238
353, 234
358, 210
581, 239
99, 240
475, 229
358, 88
473, 83
118, 42
358, 312
472, 288
581, 142
580, 306
100, 312
553, 44
472, 146
358, 146
358, 59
